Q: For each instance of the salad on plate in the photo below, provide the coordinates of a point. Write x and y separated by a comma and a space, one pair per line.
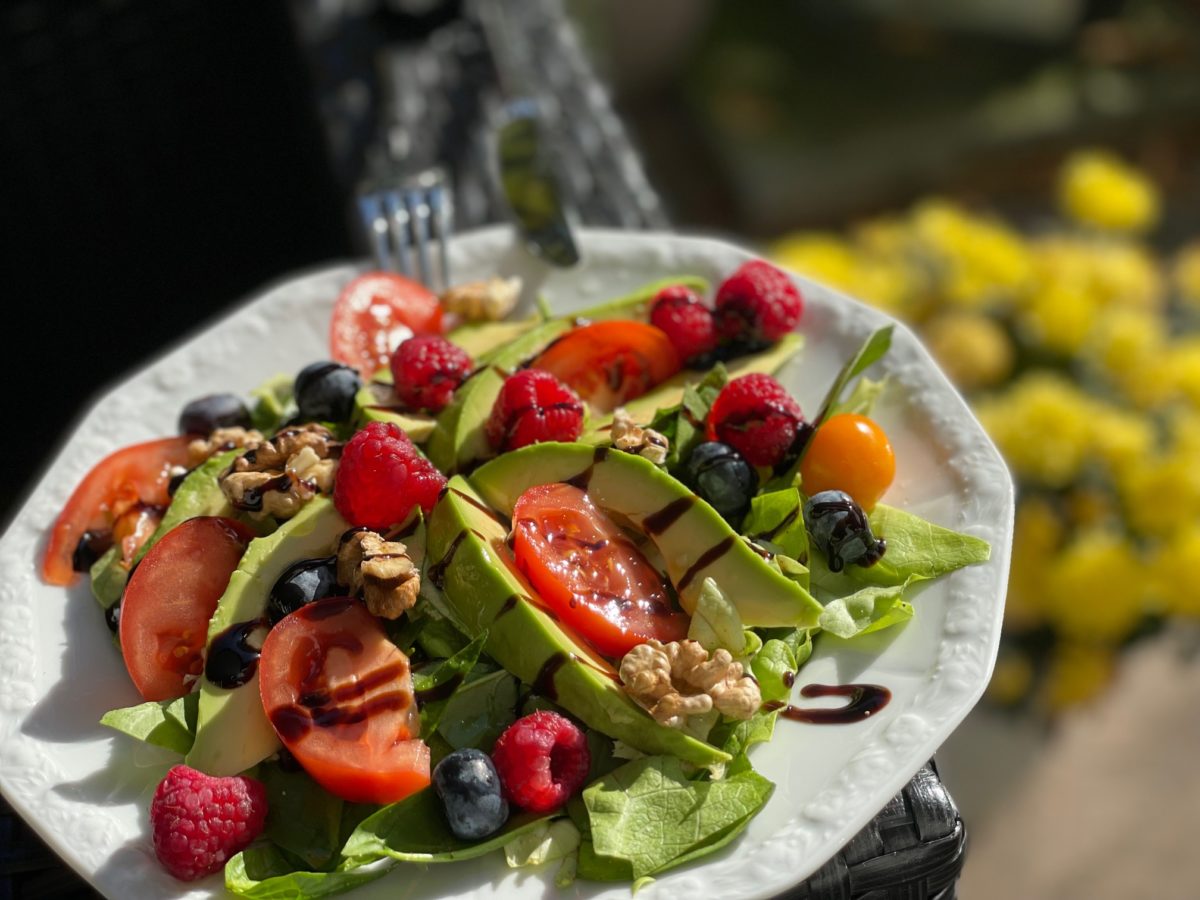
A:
480, 583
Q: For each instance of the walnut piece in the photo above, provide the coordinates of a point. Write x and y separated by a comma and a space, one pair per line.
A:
483, 301
277, 477
382, 570
680, 679
631, 437
221, 440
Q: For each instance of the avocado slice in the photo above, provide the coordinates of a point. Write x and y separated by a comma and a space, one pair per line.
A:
232, 731
459, 442
199, 494
482, 339
694, 541
484, 591
375, 402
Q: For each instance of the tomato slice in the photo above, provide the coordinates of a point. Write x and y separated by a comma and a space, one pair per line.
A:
849, 453
374, 314
131, 480
609, 363
589, 573
339, 694
170, 597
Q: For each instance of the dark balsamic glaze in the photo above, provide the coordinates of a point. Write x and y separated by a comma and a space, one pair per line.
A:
658, 522
770, 533
584, 478
252, 499
92, 545
491, 513
510, 603
864, 701
710, 556
437, 571
544, 682
232, 659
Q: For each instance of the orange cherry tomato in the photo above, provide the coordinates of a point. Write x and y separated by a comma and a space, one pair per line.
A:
609, 363
849, 453
589, 574
125, 494
340, 696
374, 314
170, 597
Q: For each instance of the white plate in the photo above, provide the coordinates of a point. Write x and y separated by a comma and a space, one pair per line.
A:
87, 790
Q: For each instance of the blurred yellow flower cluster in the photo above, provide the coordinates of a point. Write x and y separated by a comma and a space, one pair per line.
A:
1073, 344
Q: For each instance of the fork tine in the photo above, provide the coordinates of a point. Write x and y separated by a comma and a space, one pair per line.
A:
441, 224
376, 224
416, 201
399, 223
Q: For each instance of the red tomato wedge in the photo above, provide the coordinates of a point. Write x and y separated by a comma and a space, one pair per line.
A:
170, 597
609, 363
374, 314
119, 495
339, 695
589, 573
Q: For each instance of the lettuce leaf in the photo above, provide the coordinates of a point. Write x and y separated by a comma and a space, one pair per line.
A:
916, 549
866, 610
170, 724
683, 424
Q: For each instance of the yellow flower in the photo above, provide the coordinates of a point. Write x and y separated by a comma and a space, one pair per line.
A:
1037, 536
1181, 367
1078, 673
823, 257
1122, 439
1162, 495
1128, 347
1098, 189
1096, 590
1011, 678
1042, 425
1186, 273
1176, 572
972, 348
1059, 316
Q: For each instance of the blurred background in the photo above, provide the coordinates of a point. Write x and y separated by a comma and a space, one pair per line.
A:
1019, 179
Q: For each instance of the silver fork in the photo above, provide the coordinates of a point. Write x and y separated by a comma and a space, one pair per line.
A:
409, 226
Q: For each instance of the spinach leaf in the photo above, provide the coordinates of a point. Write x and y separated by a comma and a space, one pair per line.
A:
776, 521
170, 724
435, 685
863, 398
415, 830
479, 711
302, 817
683, 424
774, 669
262, 872
652, 816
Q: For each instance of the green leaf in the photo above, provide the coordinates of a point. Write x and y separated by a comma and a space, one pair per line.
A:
262, 872
161, 723
736, 737
776, 521
480, 710
774, 669
683, 424
551, 840
302, 817
435, 685
415, 830
863, 398
916, 549
715, 621
866, 610
650, 814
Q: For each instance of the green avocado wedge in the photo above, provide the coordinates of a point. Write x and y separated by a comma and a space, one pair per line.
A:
375, 401
695, 542
199, 494
232, 731
484, 591
459, 442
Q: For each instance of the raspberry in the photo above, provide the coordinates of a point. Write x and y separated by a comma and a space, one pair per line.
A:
534, 406
688, 322
200, 821
427, 371
382, 477
542, 759
756, 416
757, 305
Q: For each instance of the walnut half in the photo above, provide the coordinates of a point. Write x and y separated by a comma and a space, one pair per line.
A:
631, 437
676, 680
277, 477
382, 570
483, 301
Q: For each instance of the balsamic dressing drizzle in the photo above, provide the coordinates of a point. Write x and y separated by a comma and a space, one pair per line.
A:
232, 659
864, 701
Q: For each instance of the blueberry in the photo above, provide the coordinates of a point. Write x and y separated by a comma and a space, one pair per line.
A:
720, 475
469, 786
325, 392
206, 414
839, 527
303, 582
